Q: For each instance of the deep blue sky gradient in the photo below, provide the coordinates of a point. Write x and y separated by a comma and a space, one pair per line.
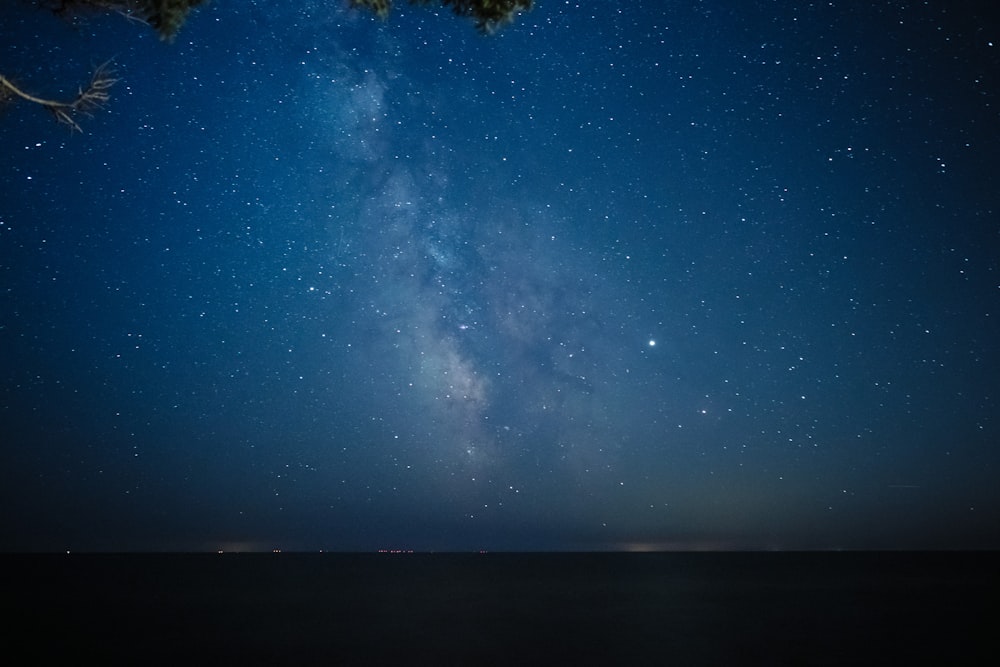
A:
315, 281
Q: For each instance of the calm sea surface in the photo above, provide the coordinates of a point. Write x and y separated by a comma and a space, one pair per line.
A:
505, 609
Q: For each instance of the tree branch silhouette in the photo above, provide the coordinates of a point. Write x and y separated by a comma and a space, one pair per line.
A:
87, 100
489, 15
165, 16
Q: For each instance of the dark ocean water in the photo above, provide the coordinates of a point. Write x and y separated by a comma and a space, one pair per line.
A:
500, 609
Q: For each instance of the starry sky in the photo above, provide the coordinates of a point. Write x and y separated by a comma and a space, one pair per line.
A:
636, 276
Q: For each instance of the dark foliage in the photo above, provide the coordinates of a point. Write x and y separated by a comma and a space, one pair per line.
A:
489, 15
165, 16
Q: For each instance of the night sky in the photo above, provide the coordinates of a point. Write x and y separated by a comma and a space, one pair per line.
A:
661, 275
